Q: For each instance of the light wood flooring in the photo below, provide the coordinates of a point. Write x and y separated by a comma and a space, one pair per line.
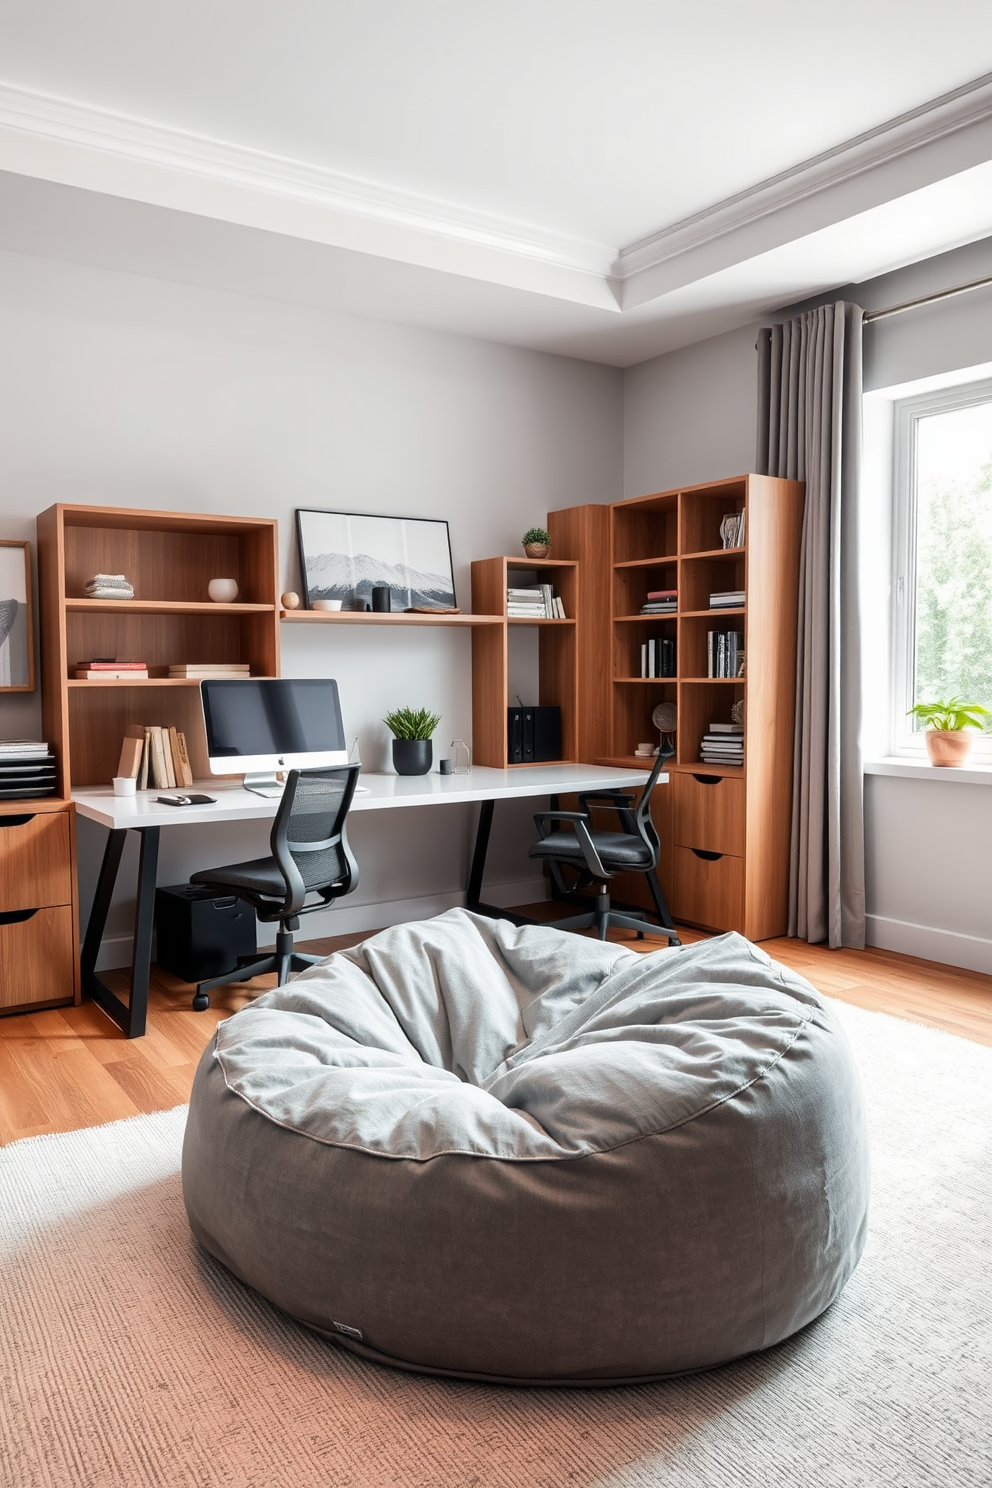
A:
67, 1068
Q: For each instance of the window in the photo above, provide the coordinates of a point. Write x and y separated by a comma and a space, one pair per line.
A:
942, 590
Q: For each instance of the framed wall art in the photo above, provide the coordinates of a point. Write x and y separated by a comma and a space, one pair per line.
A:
16, 626
345, 555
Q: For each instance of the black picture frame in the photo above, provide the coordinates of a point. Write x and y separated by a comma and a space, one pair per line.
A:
345, 555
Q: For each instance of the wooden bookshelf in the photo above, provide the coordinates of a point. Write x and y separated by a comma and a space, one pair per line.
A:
169, 558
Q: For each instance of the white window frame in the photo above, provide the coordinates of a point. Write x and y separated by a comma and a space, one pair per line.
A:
908, 412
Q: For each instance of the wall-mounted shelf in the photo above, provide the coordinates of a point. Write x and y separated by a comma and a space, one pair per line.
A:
161, 607
371, 617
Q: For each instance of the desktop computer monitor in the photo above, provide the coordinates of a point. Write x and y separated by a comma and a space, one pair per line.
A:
259, 725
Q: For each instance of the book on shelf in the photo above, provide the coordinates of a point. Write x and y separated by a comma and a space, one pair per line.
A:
111, 674
732, 530
660, 606
157, 755
197, 670
726, 728
658, 657
724, 653
727, 599
23, 748
662, 594
27, 770
534, 602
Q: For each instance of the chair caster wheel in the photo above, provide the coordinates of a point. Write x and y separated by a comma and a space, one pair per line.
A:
201, 1002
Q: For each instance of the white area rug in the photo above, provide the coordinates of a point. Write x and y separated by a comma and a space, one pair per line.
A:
129, 1358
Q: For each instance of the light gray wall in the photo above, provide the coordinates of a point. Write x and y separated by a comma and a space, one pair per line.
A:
128, 391
690, 416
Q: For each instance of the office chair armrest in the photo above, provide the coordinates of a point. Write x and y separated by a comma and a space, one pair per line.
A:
615, 800
580, 822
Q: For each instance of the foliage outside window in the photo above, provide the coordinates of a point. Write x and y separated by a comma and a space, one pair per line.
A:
943, 582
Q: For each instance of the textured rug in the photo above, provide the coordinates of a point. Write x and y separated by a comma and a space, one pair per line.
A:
129, 1358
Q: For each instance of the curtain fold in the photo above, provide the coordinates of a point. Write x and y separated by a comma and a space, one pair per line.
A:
809, 428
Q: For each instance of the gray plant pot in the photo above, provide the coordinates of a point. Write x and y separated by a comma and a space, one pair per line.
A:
412, 756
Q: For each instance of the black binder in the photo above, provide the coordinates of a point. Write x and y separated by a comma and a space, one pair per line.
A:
534, 735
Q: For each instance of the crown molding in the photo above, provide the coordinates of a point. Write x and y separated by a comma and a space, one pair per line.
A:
43, 118
942, 117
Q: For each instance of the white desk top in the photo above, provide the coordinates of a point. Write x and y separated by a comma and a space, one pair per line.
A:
234, 803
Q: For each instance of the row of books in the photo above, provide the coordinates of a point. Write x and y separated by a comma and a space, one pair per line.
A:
724, 653
723, 744
102, 669
660, 602
658, 658
155, 755
27, 769
732, 530
727, 599
534, 602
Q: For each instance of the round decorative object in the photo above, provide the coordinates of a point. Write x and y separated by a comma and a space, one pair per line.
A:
412, 756
948, 746
425, 1148
537, 550
291, 600
223, 591
665, 718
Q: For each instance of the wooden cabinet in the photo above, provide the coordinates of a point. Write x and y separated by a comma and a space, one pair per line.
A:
169, 558
39, 946
725, 826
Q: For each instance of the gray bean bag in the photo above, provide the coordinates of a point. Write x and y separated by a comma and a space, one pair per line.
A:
521, 1155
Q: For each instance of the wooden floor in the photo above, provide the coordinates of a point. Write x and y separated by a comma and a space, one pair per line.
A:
68, 1068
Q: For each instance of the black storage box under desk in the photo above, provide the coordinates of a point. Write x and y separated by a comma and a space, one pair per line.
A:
202, 933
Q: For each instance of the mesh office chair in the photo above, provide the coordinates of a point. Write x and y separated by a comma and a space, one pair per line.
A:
310, 855
599, 856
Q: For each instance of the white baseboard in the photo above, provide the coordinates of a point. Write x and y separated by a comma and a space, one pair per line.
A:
973, 952
116, 949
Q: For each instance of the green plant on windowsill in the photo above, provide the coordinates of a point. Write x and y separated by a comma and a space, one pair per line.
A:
412, 723
945, 724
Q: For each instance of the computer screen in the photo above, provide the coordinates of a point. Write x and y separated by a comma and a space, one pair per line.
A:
263, 724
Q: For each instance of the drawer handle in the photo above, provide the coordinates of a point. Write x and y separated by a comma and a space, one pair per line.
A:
16, 916
224, 903
15, 821
709, 857
707, 779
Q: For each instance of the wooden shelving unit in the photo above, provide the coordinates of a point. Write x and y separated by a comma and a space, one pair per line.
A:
490, 662
370, 617
169, 558
725, 827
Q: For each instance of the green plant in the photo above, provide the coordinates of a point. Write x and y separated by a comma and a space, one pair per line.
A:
536, 535
951, 716
412, 723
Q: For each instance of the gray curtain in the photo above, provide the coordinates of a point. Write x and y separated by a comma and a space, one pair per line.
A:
809, 428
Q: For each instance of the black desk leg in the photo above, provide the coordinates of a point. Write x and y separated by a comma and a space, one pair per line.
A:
477, 872
130, 1016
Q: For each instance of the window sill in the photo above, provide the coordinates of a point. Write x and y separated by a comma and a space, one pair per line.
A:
910, 769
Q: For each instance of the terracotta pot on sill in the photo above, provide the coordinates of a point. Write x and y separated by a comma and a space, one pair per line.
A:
948, 746
537, 550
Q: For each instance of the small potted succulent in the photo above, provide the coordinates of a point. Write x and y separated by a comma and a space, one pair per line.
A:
537, 542
947, 742
413, 751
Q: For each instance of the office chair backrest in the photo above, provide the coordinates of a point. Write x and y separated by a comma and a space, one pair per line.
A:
309, 841
642, 811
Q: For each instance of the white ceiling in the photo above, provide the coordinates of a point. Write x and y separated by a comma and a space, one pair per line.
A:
606, 178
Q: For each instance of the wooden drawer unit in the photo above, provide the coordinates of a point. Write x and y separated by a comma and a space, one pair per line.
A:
708, 889
709, 813
35, 866
37, 957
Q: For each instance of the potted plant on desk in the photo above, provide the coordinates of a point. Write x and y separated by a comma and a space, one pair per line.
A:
413, 752
947, 742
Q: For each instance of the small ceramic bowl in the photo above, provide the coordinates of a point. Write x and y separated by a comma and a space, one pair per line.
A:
223, 591
326, 604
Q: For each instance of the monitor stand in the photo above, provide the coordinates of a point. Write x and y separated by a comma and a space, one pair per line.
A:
264, 784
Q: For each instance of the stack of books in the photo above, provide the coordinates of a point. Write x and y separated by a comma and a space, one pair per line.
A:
658, 658
661, 602
106, 669
109, 586
208, 670
724, 653
534, 602
156, 755
730, 599
27, 769
723, 744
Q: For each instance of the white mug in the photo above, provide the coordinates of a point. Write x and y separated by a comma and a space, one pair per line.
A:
125, 785
223, 591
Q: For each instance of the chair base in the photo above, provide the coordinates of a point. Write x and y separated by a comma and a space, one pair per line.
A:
283, 961
604, 918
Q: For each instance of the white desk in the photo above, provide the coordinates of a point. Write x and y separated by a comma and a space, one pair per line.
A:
144, 814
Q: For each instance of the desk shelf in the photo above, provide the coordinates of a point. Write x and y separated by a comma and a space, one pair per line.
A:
371, 617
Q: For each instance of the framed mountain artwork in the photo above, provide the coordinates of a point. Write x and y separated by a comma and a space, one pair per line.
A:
345, 555
16, 630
